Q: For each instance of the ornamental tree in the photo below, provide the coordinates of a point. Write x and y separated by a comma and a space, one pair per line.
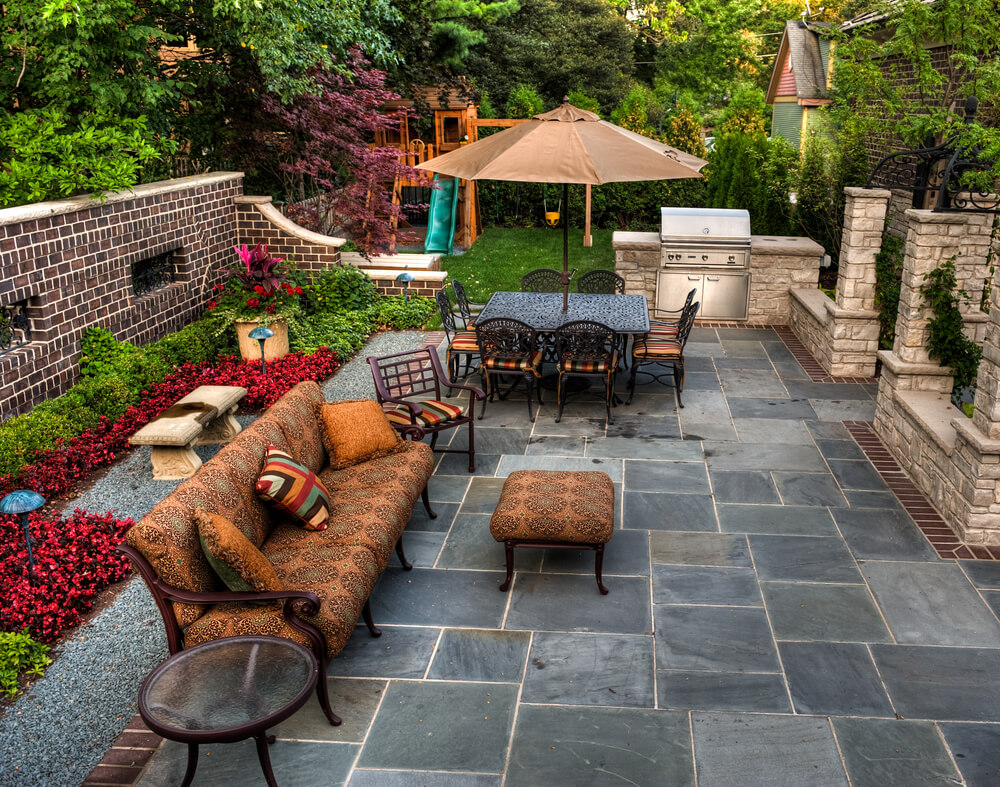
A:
321, 142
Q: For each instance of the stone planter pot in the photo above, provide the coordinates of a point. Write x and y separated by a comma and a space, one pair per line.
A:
274, 348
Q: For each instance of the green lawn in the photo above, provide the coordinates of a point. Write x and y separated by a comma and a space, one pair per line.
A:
500, 257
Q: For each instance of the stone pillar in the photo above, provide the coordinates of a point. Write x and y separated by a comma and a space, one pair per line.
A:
986, 417
864, 221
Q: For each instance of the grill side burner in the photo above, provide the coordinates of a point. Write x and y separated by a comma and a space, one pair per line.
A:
709, 250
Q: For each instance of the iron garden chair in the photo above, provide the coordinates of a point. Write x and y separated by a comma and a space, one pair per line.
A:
601, 282
508, 347
468, 310
402, 380
586, 349
542, 280
462, 345
653, 350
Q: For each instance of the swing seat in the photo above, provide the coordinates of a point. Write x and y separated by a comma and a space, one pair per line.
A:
552, 218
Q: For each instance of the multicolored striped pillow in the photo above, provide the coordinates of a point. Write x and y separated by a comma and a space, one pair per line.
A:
294, 490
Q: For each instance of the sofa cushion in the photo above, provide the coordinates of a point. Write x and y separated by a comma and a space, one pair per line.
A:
239, 564
294, 413
373, 501
355, 432
341, 575
294, 490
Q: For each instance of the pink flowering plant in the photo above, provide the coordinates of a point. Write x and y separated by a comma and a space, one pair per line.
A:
260, 288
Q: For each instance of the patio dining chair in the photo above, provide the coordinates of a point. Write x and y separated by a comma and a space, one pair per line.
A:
462, 345
663, 351
586, 349
663, 323
601, 282
508, 348
468, 310
408, 386
542, 280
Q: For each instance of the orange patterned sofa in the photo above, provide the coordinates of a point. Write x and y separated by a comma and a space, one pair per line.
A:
328, 574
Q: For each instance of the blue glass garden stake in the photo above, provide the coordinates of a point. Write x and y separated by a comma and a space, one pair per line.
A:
261, 334
23, 502
406, 277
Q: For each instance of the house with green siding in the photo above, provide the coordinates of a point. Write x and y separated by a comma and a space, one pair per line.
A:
800, 81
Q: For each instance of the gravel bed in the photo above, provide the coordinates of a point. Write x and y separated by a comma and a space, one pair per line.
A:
57, 731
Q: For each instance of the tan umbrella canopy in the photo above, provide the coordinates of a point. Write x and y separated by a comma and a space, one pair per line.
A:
566, 145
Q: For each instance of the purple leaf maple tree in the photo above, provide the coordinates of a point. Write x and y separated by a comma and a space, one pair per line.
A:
324, 145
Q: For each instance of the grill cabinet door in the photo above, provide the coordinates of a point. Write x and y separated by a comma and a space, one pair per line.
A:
725, 296
672, 288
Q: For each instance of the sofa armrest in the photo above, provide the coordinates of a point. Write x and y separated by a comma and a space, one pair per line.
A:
298, 603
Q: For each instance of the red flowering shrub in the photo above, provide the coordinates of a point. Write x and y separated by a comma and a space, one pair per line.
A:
75, 558
56, 472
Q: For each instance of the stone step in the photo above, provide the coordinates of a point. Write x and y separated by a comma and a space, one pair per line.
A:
399, 262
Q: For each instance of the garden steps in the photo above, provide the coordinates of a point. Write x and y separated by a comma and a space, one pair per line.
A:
397, 262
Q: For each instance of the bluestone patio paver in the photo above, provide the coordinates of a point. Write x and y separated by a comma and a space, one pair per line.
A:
774, 614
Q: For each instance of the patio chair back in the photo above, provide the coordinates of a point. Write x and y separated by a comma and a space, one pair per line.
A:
585, 340
672, 316
447, 316
410, 374
505, 337
686, 323
464, 306
542, 280
601, 282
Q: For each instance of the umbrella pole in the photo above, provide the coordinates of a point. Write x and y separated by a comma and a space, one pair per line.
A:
566, 247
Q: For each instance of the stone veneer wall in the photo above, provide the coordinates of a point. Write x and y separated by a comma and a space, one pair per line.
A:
70, 260
777, 265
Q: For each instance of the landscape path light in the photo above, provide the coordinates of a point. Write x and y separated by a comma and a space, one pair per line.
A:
261, 334
23, 502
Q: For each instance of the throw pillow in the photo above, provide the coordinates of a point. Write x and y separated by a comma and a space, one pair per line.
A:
354, 432
293, 489
239, 564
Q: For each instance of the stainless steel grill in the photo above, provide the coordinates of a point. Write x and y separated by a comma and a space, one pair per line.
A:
708, 250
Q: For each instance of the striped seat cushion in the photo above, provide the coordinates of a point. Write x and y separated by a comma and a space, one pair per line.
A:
434, 413
522, 364
464, 342
657, 348
294, 490
663, 330
586, 366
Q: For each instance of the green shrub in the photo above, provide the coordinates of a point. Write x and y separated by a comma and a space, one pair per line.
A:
339, 289
524, 102
20, 437
400, 315
101, 351
342, 333
20, 656
191, 344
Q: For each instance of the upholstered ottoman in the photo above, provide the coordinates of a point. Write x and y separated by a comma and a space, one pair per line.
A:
555, 509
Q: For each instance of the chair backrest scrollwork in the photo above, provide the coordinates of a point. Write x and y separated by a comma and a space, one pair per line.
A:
542, 280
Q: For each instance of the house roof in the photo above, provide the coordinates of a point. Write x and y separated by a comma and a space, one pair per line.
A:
874, 17
800, 45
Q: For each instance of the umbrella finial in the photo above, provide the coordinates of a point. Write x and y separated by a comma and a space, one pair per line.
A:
565, 99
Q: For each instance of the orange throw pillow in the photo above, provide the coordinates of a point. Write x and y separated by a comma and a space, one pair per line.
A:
235, 559
355, 431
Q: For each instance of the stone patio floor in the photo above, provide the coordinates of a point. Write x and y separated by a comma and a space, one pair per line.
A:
775, 616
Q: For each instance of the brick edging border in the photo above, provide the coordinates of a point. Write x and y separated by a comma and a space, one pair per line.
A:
915, 503
125, 761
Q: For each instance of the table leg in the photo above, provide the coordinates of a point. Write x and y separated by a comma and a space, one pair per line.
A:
192, 765
265, 758
223, 429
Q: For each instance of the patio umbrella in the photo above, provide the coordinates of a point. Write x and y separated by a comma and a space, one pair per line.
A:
566, 145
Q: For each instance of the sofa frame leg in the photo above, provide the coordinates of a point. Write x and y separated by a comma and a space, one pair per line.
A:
427, 503
366, 613
407, 565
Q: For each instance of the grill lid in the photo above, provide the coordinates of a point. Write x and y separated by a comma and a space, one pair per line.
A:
704, 225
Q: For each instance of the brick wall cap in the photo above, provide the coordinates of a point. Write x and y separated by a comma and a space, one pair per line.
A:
935, 414
250, 199
856, 191
42, 210
283, 223
637, 241
417, 275
779, 245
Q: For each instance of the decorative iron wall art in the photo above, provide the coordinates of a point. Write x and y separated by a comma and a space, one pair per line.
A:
15, 327
152, 273
946, 170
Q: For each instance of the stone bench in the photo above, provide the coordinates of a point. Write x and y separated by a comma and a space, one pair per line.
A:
206, 415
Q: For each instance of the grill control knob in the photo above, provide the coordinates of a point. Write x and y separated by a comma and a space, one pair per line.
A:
732, 258
704, 258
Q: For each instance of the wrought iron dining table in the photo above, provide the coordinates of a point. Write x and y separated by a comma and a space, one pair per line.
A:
625, 314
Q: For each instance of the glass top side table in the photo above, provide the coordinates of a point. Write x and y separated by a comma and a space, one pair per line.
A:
228, 690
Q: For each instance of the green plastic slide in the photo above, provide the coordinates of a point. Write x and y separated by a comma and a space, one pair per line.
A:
441, 217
